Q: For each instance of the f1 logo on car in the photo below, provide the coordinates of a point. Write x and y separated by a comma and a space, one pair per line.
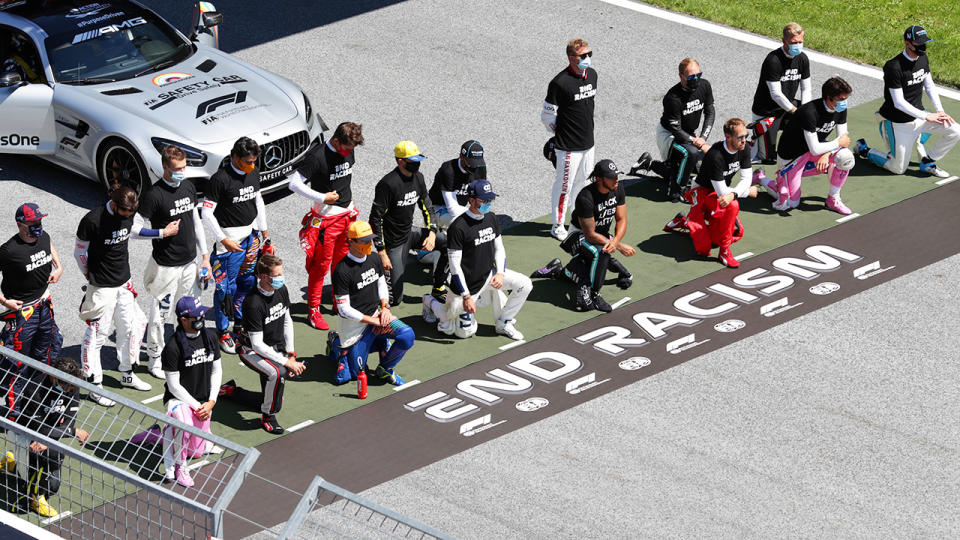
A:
212, 105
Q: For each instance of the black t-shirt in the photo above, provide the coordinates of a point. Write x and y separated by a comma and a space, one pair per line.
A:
262, 313
25, 267
901, 72
359, 281
450, 177
573, 95
602, 207
683, 110
778, 67
195, 365
719, 165
811, 116
163, 204
475, 238
326, 170
47, 410
235, 194
107, 262
394, 200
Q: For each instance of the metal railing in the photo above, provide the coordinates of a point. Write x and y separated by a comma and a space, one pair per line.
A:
327, 510
112, 487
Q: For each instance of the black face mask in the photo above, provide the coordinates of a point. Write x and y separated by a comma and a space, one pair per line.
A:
197, 325
921, 48
412, 166
693, 84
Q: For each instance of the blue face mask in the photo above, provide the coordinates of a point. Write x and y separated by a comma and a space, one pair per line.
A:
35, 231
584, 63
177, 176
277, 282
794, 49
840, 106
485, 207
60, 388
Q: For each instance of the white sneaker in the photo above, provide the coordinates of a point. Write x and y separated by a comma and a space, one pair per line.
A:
446, 327
559, 232
157, 372
428, 315
787, 205
214, 449
508, 330
100, 399
130, 380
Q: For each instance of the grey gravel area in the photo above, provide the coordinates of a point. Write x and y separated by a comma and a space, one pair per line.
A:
839, 424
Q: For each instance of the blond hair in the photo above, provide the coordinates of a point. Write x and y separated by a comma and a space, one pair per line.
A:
792, 29
575, 44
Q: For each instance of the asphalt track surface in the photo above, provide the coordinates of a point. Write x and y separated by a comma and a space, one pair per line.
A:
841, 423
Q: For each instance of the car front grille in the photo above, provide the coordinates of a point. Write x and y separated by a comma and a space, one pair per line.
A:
289, 147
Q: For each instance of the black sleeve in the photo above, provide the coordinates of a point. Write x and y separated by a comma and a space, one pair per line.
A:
424, 203
553, 93
804, 66
341, 280
744, 161
891, 75
312, 167
583, 206
63, 425
709, 113
253, 315
148, 205
170, 357
842, 119
621, 195
455, 236
672, 110
381, 201
87, 229
214, 187
771, 71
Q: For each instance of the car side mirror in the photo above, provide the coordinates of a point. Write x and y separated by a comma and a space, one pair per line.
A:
10, 78
211, 19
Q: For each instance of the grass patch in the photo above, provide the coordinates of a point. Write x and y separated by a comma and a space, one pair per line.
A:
868, 31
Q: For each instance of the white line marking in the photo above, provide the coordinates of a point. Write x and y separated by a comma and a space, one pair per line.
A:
56, 518
746, 37
198, 464
301, 425
152, 399
512, 345
947, 180
407, 384
620, 302
743, 256
848, 218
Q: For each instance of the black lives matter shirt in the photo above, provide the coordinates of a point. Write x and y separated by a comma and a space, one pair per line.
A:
235, 194
359, 281
574, 97
475, 238
107, 262
721, 165
602, 207
812, 116
450, 177
777, 66
394, 200
325, 170
908, 75
163, 204
262, 313
194, 363
683, 111
25, 267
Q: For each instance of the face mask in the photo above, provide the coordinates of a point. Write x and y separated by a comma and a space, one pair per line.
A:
246, 168
277, 282
921, 48
840, 106
485, 207
584, 63
794, 49
177, 176
412, 166
693, 84
60, 388
35, 231
365, 249
197, 325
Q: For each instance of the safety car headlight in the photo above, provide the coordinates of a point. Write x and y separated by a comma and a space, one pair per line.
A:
195, 157
309, 110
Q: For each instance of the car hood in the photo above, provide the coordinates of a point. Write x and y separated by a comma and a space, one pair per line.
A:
208, 98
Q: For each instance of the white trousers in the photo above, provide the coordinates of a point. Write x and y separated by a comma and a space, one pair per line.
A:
573, 168
505, 306
166, 284
900, 138
100, 309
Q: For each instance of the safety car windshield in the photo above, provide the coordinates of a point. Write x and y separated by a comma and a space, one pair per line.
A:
117, 46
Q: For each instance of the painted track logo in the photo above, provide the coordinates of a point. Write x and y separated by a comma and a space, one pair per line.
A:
729, 325
634, 363
825, 288
532, 404
168, 78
